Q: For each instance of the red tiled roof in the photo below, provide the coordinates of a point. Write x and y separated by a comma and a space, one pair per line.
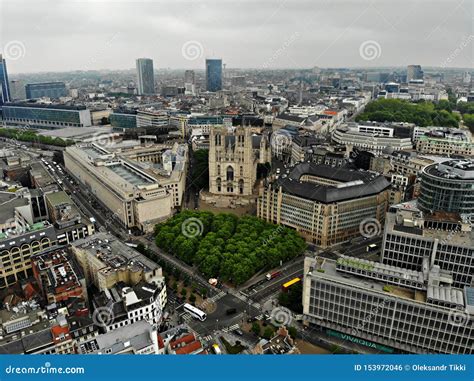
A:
189, 348
185, 339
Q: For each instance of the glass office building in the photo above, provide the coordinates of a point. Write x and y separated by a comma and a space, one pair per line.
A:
46, 116
145, 76
448, 187
4, 84
213, 74
120, 120
47, 89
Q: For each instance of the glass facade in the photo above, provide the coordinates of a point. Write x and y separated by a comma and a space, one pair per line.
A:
4, 84
42, 116
49, 89
122, 121
145, 76
448, 194
213, 74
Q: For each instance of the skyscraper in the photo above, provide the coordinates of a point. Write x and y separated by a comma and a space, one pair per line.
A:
213, 74
189, 88
414, 72
4, 84
145, 76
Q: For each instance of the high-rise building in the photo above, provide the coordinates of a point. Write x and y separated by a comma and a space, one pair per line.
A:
414, 72
145, 76
189, 82
213, 74
17, 90
47, 89
189, 76
4, 84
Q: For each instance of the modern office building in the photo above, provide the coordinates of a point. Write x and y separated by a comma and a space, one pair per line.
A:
412, 237
151, 118
374, 137
213, 74
140, 184
53, 90
444, 146
448, 187
189, 82
325, 205
145, 76
4, 84
388, 309
120, 120
47, 116
414, 72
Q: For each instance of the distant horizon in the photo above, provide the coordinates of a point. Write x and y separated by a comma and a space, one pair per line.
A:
372, 69
55, 36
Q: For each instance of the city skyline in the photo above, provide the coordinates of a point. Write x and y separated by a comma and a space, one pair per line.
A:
183, 34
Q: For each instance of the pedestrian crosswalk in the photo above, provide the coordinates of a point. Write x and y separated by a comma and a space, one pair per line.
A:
231, 328
215, 298
186, 317
208, 338
259, 317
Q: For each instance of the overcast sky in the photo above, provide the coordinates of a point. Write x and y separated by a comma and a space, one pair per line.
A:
54, 35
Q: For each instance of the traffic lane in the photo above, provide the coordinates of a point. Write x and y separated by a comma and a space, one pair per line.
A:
280, 279
264, 293
288, 269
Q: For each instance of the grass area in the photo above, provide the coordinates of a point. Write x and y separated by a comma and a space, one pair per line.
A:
232, 349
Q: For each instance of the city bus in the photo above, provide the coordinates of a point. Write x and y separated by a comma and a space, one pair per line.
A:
195, 312
290, 283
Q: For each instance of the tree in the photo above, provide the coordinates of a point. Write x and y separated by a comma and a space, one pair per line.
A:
184, 292
293, 332
192, 298
256, 328
141, 248
268, 333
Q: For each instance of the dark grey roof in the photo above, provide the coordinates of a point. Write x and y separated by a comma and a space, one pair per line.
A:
293, 118
256, 140
368, 183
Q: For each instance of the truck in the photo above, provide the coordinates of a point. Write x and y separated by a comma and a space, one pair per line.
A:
273, 275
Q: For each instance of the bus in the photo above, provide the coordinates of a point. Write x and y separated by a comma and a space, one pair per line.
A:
371, 247
194, 312
216, 349
290, 283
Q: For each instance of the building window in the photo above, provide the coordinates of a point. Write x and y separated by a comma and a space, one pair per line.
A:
230, 173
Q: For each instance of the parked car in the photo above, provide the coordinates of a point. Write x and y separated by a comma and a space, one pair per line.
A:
231, 311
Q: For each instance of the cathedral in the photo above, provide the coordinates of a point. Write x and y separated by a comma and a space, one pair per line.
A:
233, 157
